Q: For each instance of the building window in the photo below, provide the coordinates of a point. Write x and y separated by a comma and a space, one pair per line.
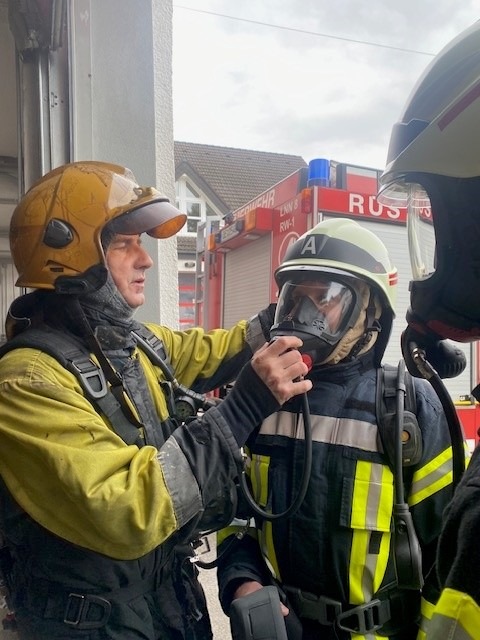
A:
194, 203
194, 212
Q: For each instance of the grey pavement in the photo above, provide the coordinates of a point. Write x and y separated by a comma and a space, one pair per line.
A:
208, 578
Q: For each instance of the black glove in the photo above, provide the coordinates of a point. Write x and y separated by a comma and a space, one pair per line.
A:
248, 404
266, 317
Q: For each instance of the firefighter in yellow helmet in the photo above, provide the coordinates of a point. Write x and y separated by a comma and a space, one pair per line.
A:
433, 168
343, 570
103, 485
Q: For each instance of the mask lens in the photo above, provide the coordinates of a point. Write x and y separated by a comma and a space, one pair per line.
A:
321, 305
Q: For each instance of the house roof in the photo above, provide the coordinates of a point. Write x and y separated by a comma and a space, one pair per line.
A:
186, 244
231, 177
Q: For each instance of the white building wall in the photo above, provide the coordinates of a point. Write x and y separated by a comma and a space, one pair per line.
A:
131, 115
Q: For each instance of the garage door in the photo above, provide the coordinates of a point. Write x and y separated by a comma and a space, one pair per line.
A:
247, 281
8, 291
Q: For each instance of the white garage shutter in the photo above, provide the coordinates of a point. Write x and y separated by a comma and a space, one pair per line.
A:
395, 239
247, 281
8, 291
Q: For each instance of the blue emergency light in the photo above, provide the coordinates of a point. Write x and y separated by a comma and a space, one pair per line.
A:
319, 172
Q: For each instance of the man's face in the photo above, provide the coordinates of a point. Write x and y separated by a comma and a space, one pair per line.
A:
127, 262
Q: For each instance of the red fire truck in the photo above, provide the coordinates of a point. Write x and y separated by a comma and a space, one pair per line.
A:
236, 258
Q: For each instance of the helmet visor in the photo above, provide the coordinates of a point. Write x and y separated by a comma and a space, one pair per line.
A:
159, 219
420, 228
319, 307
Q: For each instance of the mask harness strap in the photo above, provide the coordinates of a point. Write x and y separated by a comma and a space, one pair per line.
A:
371, 326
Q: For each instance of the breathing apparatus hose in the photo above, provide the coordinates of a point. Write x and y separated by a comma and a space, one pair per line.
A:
265, 515
307, 468
426, 371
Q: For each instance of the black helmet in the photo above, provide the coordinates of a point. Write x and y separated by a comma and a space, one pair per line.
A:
433, 169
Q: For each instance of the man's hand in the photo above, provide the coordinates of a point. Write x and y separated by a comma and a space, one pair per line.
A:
273, 376
280, 366
250, 587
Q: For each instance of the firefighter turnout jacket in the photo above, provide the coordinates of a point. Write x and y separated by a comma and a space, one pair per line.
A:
96, 526
457, 613
333, 558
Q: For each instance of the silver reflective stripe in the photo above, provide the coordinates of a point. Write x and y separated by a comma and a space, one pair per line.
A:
373, 502
180, 481
442, 627
340, 431
434, 476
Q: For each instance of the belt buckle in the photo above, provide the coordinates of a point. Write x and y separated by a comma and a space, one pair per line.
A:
368, 617
77, 609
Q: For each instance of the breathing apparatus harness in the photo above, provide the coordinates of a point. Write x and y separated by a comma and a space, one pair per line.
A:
305, 311
184, 404
293, 327
431, 358
395, 411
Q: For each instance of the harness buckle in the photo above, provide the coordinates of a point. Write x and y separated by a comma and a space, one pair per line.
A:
91, 377
79, 606
365, 618
320, 608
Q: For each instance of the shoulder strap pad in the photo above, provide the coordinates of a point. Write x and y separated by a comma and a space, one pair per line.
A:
75, 357
70, 353
151, 344
386, 410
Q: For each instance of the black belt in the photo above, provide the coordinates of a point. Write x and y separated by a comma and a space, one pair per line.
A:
360, 619
81, 610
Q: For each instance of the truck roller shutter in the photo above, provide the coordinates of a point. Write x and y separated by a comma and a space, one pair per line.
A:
8, 291
247, 281
394, 237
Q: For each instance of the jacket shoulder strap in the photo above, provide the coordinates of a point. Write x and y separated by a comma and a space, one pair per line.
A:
74, 357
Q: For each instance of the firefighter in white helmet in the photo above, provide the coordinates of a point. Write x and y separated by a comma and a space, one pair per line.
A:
333, 559
102, 485
433, 168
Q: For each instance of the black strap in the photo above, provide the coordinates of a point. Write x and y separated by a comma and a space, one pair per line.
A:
74, 357
361, 619
82, 610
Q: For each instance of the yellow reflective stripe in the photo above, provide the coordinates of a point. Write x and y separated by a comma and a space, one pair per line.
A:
456, 617
372, 497
426, 612
259, 477
357, 566
372, 506
233, 529
468, 454
431, 478
268, 549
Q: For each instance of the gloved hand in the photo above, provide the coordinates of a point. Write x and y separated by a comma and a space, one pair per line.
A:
273, 376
